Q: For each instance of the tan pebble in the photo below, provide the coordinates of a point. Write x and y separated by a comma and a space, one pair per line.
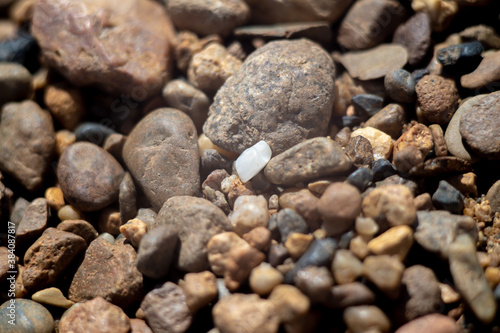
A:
346, 267
52, 296
199, 288
440, 12
40, 78
385, 272
69, 212
55, 197
366, 227
249, 212
319, 186
319, 234
483, 258
423, 202
290, 302
259, 237
264, 278
64, 139
109, 220
440, 147
239, 264
273, 202
301, 201
134, 230
493, 276
395, 241
20, 290
297, 244
392, 204
366, 318
218, 250
381, 143
359, 247
65, 104
483, 212
204, 143
448, 294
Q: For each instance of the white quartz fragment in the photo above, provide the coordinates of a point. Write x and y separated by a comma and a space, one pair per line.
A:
252, 160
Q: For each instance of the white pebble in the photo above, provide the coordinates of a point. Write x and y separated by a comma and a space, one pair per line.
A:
253, 160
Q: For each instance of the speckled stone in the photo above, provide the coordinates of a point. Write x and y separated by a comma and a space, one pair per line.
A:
29, 316
359, 149
256, 102
437, 97
81, 228
381, 142
400, 86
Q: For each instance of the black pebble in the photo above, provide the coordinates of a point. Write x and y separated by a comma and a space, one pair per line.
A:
382, 169
461, 58
93, 132
361, 178
448, 198
367, 104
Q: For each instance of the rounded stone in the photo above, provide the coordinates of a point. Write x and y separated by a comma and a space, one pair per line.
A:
89, 176
437, 97
385, 272
389, 120
381, 142
282, 94
15, 81
493, 196
339, 206
395, 241
415, 35
400, 86
65, 103
480, 126
366, 318
29, 316
264, 278
432, 323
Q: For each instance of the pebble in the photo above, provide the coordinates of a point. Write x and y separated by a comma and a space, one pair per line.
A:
361, 29
448, 198
277, 254
436, 230
52, 296
360, 151
381, 142
259, 238
15, 82
264, 278
49, 256
89, 176
441, 13
315, 282
81, 228
418, 136
4, 263
183, 96
376, 62
395, 241
480, 126
239, 263
389, 120
290, 303
366, 227
141, 28
252, 161
408, 158
249, 212
64, 139
161, 153
339, 206
245, 313
437, 97
18, 49
461, 55
255, 104
470, 280
93, 132
319, 253
108, 271
359, 247
392, 204
415, 35
432, 323
54, 197
360, 178
439, 166
109, 220
493, 196
400, 86
18, 209
156, 251
66, 104
187, 44
440, 148
287, 222
311, 159
197, 220
34, 221
69, 212
424, 294
346, 267
423, 202
303, 202
200, 289
139, 326
114, 145
448, 294
366, 318
367, 104
465, 183
218, 250
297, 244
350, 294
29, 316
127, 198
134, 230
212, 160
385, 272
206, 18
27, 142
485, 74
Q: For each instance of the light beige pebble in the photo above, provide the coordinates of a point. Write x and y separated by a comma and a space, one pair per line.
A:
134, 230
346, 267
382, 144
264, 278
448, 294
64, 139
395, 241
297, 244
359, 247
205, 143
249, 212
200, 289
290, 303
366, 318
240, 262
69, 212
218, 250
366, 227
52, 296
385, 272
423, 202
392, 204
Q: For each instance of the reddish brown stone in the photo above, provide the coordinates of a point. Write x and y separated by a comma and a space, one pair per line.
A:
34, 220
79, 227
415, 35
437, 97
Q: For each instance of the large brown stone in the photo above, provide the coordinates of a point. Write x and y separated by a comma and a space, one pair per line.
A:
282, 94
108, 271
121, 46
34, 220
162, 155
27, 142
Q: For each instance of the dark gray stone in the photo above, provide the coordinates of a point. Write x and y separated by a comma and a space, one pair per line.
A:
382, 169
360, 178
127, 198
400, 86
460, 54
289, 221
367, 104
448, 198
93, 132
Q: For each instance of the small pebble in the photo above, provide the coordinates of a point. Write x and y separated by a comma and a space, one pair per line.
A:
462, 55
54, 197
200, 289
127, 198
107, 237
315, 282
81, 228
395, 241
485, 74
423, 202
366, 227
155, 252
249, 212
382, 169
29, 316
69, 212
288, 221
297, 244
448, 198
93, 132
15, 82
359, 149
109, 220
134, 230
66, 104
432, 323
400, 86
440, 147
290, 303
339, 206
303, 202
359, 247
350, 294
252, 160
424, 295
381, 143
415, 35
259, 238
437, 97
360, 178
385, 272
389, 120
52, 296
346, 268
34, 221
366, 318
64, 139
264, 278
367, 104
448, 294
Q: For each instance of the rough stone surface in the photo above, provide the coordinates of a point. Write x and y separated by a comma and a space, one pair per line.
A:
486, 74
433, 323
47, 259
161, 153
30, 317
339, 206
134, 230
34, 220
303, 202
381, 142
96, 315
311, 159
81, 228
89, 176
27, 143
249, 212
126, 48
197, 220
107, 271
282, 94
218, 250
415, 35
208, 17
359, 149
480, 126
360, 29
374, 63
405, 155
437, 97
493, 196
166, 310
440, 148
